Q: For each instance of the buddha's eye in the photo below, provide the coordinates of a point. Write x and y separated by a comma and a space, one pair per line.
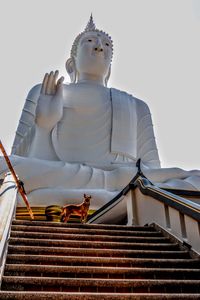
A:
89, 40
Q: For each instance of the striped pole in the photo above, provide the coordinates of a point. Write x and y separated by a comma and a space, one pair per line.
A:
19, 184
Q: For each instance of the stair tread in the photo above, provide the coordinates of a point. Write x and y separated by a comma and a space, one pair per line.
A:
92, 250
100, 285
84, 230
98, 281
88, 237
20, 295
94, 244
82, 226
72, 259
81, 269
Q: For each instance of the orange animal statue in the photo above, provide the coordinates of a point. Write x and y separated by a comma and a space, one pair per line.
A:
76, 209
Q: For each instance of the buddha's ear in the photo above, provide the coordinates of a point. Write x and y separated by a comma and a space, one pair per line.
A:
71, 69
107, 76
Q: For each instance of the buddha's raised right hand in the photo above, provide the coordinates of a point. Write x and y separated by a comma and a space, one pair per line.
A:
50, 103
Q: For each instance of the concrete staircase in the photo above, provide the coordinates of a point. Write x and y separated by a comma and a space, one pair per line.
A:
49, 260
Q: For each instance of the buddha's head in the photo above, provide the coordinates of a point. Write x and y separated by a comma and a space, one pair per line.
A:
91, 54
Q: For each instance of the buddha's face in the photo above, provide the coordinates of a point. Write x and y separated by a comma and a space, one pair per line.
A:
94, 54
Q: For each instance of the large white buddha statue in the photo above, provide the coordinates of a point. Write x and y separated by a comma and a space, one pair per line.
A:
84, 137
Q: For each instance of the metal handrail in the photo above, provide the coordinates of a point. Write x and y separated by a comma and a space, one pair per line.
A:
184, 205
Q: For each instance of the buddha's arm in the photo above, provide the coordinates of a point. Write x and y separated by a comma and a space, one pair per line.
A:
148, 152
49, 111
146, 144
26, 127
41, 146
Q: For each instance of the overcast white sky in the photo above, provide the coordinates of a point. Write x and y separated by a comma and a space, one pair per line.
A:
156, 58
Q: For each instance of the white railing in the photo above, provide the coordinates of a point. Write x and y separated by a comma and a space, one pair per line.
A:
142, 203
148, 204
8, 196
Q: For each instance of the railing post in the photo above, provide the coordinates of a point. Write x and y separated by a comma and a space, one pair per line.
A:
132, 216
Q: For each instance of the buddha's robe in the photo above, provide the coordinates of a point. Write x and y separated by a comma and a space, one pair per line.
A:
97, 143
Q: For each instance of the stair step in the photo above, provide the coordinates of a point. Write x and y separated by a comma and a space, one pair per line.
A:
94, 244
100, 272
84, 226
91, 296
97, 252
100, 285
88, 237
9, 295
103, 261
89, 231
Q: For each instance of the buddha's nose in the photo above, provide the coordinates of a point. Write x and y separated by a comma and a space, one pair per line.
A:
99, 46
